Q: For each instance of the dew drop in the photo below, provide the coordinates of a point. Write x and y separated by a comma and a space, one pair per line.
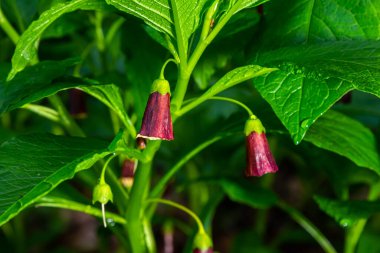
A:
111, 222
305, 123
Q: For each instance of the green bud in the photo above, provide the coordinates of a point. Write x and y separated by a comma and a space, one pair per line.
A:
253, 125
102, 193
202, 241
161, 86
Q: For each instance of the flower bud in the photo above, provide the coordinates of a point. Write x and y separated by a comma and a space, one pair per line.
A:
202, 243
128, 172
102, 193
157, 121
260, 160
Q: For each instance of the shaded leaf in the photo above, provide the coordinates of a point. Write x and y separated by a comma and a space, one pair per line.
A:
26, 48
245, 193
338, 133
110, 95
347, 213
33, 84
32, 165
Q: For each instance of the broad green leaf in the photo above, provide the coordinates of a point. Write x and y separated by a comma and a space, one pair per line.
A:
338, 133
312, 21
312, 78
246, 193
156, 13
229, 80
247, 3
33, 84
110, 95
26, 48
32, 165
347, 213
186, 17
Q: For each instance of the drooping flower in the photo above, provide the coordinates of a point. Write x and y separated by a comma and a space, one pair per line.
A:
202, 243
128, 172
260, 160
77, 102
157, 121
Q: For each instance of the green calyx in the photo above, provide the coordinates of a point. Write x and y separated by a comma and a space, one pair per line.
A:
253, 125
102, 193
161, 86
202, 241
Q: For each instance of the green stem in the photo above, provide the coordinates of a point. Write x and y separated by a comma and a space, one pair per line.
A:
202, 45
353, 233
208, 19
180, 89
43, 111
75, 206
65, 118
183, 208
102, 180
308, 226
162, 75
134, 211
8, 28
100, 42
159, 188
235, 102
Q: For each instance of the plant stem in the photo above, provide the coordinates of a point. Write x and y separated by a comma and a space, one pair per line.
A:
75, 206
308, 226
353, 233
43, 111
134, 211
65, 118
202, 45
180, 89
235, 102
162, 73
8, 29
183, 208
158, 189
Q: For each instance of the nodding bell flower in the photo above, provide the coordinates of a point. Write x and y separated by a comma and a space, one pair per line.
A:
260, 160
202, 243
103, 194
157, 121
128, 172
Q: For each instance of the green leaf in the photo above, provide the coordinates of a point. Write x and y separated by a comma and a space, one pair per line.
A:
312, 78
33, 84
246, 193
347, 213
229, 80
26, 48
345, 136
312, 21
32, 165
248, 3
110, 95
156, 13
177, 18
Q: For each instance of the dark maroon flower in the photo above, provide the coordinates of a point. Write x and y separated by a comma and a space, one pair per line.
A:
260, 160
128, 172
77, 102
157, 121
